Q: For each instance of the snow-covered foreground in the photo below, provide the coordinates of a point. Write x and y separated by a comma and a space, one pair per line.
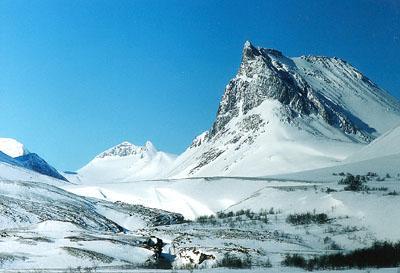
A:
356, 219
43, 226
206, 196
125, 225
213, 270
122, 226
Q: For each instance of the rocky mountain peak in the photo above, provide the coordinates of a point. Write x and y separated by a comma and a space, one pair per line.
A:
249, 52
266, 74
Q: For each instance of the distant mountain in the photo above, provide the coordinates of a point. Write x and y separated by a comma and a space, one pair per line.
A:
125, 162
281, 115
14, 153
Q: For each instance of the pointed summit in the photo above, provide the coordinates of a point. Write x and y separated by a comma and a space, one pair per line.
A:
247, 44
123, 149
127, 149
249, 51
150, 146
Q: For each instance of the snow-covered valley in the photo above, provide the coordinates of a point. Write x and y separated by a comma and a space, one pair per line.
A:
54, 229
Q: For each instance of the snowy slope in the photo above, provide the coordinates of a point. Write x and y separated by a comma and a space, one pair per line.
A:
386, 145
9, 160
27, 203
126, 162
281, 115
10, 169
381, 156
205, 196
380, 165
45, 227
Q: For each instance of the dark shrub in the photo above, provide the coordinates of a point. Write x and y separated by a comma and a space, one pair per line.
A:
233, 261
307, 218
294, 260
379, 255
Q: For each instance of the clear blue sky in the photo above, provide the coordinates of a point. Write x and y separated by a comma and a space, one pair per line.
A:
77, 77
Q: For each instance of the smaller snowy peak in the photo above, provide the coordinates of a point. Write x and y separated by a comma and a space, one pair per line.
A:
12, 147
150, 147
127, 149
126, 162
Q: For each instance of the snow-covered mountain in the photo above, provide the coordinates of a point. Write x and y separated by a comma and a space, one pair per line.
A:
14, 153
280, 115
125, 162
